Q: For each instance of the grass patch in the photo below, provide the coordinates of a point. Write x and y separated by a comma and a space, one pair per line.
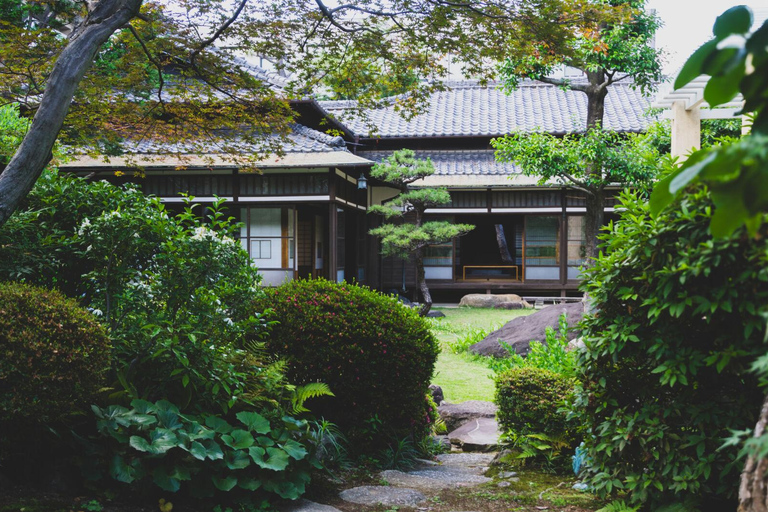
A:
464, 376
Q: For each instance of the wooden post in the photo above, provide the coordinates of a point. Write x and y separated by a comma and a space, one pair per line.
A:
563, 239
333, 221
686, 129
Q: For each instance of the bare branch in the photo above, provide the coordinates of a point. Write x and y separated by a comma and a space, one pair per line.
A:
152, 59
218, 32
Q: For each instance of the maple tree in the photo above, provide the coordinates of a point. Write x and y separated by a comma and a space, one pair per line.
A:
112, 71
608, 54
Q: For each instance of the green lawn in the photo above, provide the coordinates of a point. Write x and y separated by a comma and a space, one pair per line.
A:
463, 376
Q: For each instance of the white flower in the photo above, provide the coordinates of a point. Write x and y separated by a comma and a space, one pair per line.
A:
97, 312
229, 321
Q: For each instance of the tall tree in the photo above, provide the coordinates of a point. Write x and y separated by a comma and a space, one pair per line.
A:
174, 70
610, 53
408, 237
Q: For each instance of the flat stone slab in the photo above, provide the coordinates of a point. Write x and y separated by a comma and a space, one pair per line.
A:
480, 434
433, 479
478, 461
385, 495
455, 415
305, 506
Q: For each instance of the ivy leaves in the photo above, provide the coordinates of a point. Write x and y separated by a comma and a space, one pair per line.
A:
737, 174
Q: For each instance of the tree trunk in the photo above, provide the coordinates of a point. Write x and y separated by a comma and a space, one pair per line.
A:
593, 221
596, 93
753, 490
422, 281
501, 239
33, 154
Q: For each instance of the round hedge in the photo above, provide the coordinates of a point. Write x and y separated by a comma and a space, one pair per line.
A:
529, 398
376, 355
53, 356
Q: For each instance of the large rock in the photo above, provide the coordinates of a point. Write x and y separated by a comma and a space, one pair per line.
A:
478, 435
455, 415
384, 495
484, 300
520, 331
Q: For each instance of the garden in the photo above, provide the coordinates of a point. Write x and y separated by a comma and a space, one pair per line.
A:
144, 366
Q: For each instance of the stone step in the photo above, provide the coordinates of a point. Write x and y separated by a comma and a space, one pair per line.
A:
305, 506
388, 496
477, 435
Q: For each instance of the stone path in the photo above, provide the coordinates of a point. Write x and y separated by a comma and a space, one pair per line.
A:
411, 488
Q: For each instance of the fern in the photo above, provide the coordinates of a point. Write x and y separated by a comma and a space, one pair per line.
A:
619, 506
303, 393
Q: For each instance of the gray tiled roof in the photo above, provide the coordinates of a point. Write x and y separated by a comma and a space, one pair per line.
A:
301, 140
474, 162
468, 109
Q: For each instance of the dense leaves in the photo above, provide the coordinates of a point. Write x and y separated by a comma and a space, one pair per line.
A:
665, 374
53, 360
201, 456
376, 355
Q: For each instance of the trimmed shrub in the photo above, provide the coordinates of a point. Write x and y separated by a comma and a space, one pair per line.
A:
529, 399
376, 355
665, 372
53, 358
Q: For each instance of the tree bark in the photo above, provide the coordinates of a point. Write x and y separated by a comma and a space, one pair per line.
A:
33, 154
501, 239
593, 221
753, 489
421, 279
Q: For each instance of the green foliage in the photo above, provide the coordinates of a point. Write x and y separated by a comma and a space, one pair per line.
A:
174, 291
665, 373
591, 160
619, 506
467, 339
202, 456
54, 354
53, 360
735, 173
403, 239
620, 47
529, 400
376, 355
553, 355
13, 127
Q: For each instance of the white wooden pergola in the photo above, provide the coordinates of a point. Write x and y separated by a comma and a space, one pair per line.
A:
686, 107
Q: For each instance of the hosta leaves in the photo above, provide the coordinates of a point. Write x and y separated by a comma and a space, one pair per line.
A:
238, 439
249, 484
224, 483
254, 421
218, 425
121, 471
271, 458
294, 449
163, 480
237, 460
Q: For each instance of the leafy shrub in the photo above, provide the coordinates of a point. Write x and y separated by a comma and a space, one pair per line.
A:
203, 455
552, 355
529, 400
174, 291
665, 371
376, 355
53, 358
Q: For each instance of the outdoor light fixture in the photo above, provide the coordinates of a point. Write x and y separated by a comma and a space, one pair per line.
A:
362, 183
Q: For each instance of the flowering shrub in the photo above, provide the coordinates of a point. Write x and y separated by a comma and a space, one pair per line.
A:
53, 359
376, 355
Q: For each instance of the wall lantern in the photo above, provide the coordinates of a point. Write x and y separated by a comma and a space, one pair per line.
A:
362, 183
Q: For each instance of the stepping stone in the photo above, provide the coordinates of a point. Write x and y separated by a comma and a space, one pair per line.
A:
480, 434
478, 461
432, 479
455, 415
306, 506
384, 495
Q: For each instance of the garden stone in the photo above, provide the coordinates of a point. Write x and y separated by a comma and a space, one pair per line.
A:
511, 305
384, 495
455, 415
519, 332
306, 506
437, 393
435, 314
481, 434
431, 479
484, 300
472, 461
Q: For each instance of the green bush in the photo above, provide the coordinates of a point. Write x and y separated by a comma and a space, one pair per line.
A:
665, 373
201, 456
53, 358
529, 400
376, 355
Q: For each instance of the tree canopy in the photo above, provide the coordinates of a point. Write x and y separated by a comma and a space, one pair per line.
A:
133, 69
